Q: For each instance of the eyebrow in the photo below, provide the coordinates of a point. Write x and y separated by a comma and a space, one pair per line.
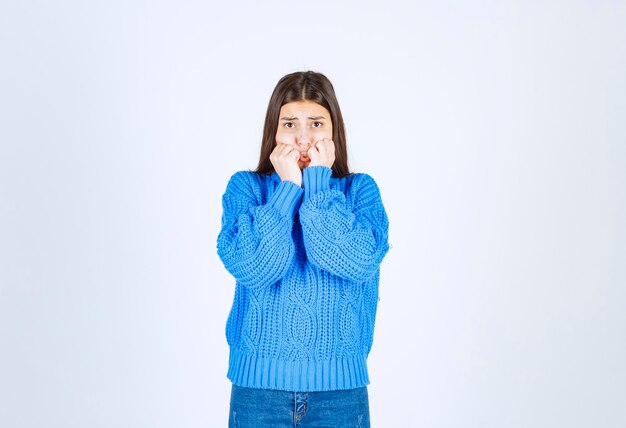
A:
310, 118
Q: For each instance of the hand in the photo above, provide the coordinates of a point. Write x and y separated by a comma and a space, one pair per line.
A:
285, 161
322, 153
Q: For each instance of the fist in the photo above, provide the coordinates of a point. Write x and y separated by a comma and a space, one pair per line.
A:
322, 153
285, 160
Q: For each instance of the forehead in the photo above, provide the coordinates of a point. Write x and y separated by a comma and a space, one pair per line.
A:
303, 108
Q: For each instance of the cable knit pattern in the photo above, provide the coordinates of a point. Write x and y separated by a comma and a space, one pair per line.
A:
306, 262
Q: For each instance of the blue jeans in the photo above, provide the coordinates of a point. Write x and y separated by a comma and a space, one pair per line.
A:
260, 408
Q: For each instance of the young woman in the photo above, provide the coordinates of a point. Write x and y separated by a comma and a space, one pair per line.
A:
304, 239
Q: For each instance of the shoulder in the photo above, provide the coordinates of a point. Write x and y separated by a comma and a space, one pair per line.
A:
359, 181
246, 187
363, 190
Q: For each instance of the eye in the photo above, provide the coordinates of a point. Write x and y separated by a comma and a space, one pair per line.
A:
289, 125
317, 124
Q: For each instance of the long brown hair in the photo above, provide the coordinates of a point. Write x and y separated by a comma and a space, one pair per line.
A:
304, 86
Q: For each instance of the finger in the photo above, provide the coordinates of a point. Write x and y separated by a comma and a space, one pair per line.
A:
313, 152
278, 149
287, 152
293, 153
324, 144
320, 149
330, 146
283, 150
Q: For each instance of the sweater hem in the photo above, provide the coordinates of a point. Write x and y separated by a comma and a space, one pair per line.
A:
253, 371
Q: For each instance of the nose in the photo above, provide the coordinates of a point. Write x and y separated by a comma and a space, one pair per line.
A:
303, 138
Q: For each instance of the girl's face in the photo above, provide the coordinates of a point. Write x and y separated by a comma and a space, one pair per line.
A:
301, 124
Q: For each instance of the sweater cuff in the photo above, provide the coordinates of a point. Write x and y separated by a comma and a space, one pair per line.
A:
286, 198
315, 179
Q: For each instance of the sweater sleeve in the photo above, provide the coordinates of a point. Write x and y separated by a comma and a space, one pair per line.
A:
347, 239
255, 242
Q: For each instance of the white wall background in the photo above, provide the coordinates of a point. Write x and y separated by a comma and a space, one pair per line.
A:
495, 129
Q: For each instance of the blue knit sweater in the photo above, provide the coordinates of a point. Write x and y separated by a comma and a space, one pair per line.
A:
306, 263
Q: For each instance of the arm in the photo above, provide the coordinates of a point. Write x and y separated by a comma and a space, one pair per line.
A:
255, 242
347, 239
